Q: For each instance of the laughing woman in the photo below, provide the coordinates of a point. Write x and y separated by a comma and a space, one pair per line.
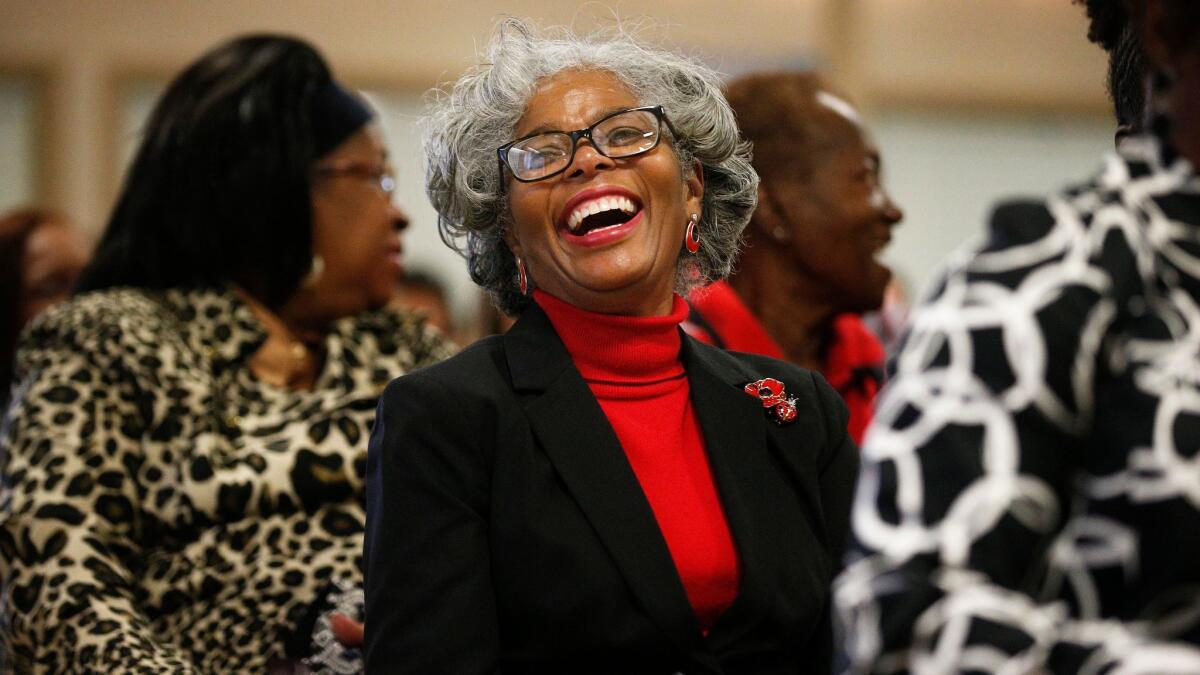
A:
594, 491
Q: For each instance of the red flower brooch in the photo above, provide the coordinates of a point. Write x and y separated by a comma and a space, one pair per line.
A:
770, 392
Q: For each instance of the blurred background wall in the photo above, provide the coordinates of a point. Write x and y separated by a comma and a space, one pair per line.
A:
970, 100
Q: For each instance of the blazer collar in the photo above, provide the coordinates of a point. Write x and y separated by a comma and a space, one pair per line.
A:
536, 355
576, 435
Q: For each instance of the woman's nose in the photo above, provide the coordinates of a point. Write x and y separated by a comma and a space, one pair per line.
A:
398, 215
891, 213
588, 160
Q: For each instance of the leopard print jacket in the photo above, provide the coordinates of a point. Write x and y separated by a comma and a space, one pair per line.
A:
162, 510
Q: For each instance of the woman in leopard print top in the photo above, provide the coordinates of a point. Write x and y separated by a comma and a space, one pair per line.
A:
183, 459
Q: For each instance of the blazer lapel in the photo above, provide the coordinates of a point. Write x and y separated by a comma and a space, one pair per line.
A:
735, 436
577, 437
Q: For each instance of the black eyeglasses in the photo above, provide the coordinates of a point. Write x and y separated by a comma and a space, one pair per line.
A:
622, 134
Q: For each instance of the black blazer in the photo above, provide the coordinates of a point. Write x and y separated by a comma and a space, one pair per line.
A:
506, 531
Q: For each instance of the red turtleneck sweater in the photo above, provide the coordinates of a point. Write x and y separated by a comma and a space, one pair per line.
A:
633, 368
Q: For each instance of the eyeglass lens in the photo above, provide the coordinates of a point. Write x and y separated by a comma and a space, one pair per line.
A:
623, 135
387, 181
384, 176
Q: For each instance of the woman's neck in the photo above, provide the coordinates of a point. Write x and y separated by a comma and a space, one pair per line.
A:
645, 299
291, 356
788, 305
618, 348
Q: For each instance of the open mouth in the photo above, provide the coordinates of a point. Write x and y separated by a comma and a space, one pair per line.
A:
601, 213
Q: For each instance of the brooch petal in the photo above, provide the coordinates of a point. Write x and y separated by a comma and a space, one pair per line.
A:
768, 390
780, 408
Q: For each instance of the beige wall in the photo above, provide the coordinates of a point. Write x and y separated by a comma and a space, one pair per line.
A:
966, 54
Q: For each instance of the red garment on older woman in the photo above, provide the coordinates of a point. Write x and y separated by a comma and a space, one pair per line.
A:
853, 362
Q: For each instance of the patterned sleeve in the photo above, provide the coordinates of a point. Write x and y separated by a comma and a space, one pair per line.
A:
963, 499
70, 519
407, 331
432, 346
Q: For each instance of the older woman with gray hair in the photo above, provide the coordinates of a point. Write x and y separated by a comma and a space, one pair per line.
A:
594, 491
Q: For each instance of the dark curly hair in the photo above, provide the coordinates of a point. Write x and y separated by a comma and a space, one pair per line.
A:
1109, 27
1108, 21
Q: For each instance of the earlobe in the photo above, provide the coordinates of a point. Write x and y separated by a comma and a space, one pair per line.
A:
514, 247
766, 220
514, 244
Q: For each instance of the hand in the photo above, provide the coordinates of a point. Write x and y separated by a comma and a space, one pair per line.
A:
348, 631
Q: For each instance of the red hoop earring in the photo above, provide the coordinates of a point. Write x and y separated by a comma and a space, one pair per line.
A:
522, 277
691, 238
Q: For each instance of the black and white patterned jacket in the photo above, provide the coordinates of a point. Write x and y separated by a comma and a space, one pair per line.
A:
1030, 494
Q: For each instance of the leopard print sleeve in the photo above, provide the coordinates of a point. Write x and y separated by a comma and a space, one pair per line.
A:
70, 520
429, 345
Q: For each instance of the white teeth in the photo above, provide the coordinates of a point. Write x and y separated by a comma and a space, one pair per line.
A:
589, 208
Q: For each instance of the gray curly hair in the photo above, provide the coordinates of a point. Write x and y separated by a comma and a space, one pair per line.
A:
478, 115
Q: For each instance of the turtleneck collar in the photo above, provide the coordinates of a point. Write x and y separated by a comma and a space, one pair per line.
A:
617, 348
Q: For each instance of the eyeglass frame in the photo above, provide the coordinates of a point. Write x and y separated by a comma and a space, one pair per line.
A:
384, 176
658, 110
